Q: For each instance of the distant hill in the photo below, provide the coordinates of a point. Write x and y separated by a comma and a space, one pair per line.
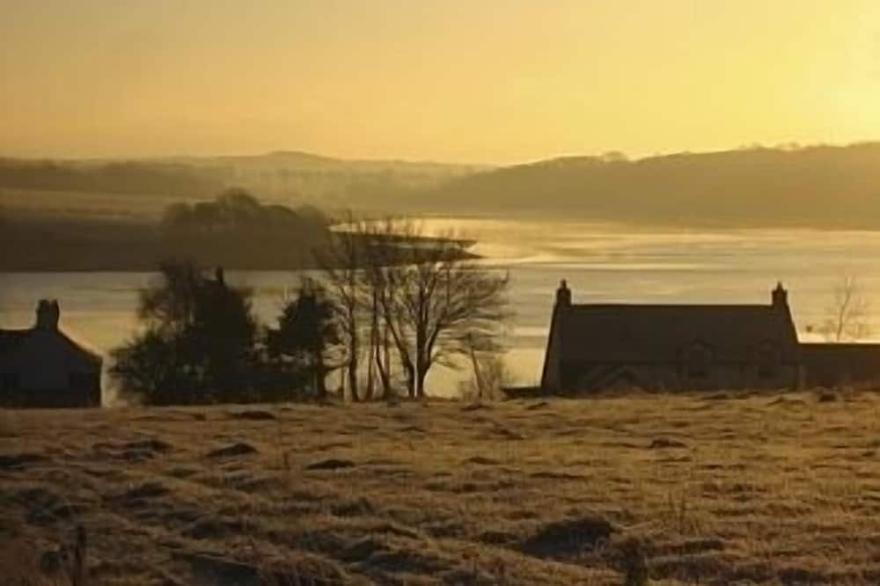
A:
117, 187
823, 187
292, 175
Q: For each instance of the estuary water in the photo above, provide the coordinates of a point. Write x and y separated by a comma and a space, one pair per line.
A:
601, 262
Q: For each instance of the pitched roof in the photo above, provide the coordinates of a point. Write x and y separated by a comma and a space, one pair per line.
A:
11, 339
81, 347
660, 333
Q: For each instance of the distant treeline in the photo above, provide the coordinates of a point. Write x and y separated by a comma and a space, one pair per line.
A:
113, 177
820, 187
234, 230
282, 177
237, 231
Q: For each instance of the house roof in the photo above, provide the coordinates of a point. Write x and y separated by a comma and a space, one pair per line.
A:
87, 351
660, 333
12, 340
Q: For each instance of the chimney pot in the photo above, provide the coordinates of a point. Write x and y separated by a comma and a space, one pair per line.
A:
48, 314
780, 296
563, 295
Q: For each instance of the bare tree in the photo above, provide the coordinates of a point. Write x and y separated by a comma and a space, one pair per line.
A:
847, 316
490, 376
436, 303
342, 263
378, 276
352, 268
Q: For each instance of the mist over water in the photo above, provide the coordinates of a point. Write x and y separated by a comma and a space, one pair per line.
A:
601, 262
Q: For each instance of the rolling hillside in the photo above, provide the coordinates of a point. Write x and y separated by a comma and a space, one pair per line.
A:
821, 187
681, 488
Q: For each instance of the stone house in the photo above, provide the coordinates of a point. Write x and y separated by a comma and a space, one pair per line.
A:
594, 347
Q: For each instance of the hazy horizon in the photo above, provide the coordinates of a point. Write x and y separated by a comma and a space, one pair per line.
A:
607, 155
487, 83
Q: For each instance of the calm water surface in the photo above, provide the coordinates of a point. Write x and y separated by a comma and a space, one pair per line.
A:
601, 263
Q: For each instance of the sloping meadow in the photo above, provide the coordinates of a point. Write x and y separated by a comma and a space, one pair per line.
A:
714, 489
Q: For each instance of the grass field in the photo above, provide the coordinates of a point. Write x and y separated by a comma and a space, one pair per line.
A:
711, 489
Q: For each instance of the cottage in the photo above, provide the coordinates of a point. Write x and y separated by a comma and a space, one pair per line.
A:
594, 347
43, 367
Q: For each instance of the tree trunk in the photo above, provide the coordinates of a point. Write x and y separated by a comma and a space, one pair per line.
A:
422, 366
352, 380
374, 348
477, 374
383, 363
421, 341
410, 379
369, 391
420, 384
320, 374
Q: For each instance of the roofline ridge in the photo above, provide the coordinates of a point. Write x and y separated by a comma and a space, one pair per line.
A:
81, 346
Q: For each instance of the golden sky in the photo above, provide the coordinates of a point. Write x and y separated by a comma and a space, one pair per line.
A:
490, 81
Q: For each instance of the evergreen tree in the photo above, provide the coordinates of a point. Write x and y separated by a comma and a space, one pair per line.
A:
308, 335
198, 344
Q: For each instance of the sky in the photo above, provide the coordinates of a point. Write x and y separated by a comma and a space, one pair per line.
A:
477, 81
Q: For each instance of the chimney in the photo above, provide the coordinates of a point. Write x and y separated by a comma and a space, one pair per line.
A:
47, 315
780, 297
563, 295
